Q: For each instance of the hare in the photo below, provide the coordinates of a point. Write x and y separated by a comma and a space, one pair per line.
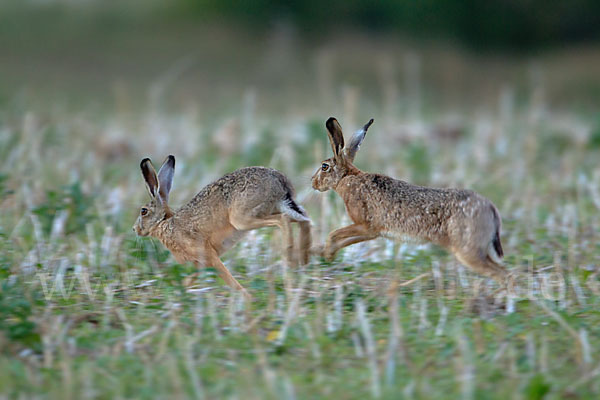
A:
220, 214
462, 221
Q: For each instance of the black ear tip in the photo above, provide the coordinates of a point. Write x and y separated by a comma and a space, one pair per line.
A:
171, 159
368, 124
144, 161
330, 121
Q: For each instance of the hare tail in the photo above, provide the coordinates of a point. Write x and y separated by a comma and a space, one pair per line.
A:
290, 207
495, 250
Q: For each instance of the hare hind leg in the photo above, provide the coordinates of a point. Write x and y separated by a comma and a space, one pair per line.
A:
344, 237
287, 238
481, 263
305, 241
282, 221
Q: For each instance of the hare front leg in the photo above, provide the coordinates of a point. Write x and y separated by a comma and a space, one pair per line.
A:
346, 236
213, 260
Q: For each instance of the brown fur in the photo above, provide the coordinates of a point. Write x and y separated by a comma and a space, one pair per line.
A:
219, 215
462, 221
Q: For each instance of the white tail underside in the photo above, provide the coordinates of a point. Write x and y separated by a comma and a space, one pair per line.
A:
286, 208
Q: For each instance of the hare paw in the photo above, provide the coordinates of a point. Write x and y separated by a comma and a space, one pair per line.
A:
188, 281
317, 250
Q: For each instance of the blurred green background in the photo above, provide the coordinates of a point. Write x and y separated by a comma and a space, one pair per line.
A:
501, 97
485, 25
207, 49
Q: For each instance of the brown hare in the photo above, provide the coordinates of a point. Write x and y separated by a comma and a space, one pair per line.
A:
219, 214
462, 221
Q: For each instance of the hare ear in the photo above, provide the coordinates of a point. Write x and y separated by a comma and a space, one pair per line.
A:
356, 141
150, 177
335, 136
165, 179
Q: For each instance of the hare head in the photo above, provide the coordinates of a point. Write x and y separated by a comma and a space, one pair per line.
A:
335, 168
159, 186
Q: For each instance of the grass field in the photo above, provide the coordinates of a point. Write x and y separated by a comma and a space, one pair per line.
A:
87, 310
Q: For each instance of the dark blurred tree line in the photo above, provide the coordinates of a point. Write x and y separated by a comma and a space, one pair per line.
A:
511, 24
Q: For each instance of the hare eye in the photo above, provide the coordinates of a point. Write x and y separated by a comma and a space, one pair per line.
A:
144, 211
325, 167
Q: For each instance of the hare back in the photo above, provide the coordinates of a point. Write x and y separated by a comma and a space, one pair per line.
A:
399, 209
252, 188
